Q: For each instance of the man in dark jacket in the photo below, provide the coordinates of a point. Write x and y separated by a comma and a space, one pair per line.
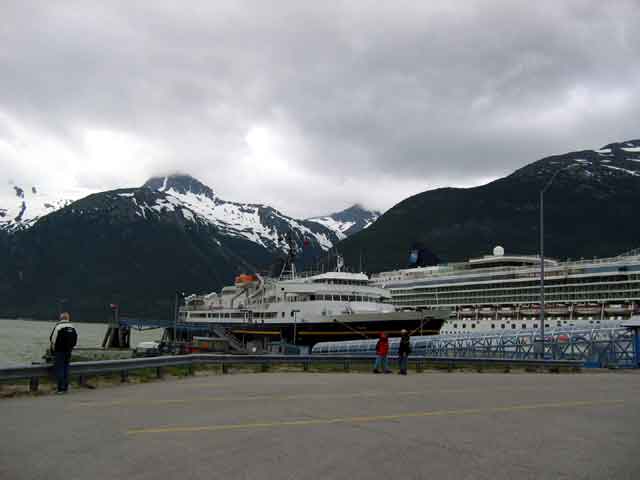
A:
404, 349
63, 338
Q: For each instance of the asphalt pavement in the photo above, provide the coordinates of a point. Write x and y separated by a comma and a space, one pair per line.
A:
331, 426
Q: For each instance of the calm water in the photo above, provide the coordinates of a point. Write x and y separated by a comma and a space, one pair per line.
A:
23, 342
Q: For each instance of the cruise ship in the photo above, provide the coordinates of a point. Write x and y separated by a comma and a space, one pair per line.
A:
304, 308
501, 292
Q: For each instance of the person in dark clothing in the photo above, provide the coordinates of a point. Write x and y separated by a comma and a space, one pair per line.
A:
62, 339
382, 350
404, 349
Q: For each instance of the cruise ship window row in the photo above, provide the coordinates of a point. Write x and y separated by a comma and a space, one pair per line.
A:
601, 283
515, 295
531, 280
514, 326
532, 291
503, 294
522, 299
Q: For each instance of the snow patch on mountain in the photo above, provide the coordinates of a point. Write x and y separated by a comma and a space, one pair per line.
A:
630, 172
349, 221
22, 207
618, 159
338, 227
257, 223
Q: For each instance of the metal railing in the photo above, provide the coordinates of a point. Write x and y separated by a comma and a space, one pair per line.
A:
611, 347
82, 370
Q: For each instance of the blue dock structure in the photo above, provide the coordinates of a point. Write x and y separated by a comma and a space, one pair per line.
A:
633, 325
601, 347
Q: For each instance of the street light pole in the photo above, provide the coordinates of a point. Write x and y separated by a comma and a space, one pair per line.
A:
542, 312
542, 267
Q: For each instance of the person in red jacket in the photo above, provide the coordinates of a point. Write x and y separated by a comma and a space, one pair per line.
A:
382, 350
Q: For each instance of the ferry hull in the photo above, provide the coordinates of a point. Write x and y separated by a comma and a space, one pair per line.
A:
339, 327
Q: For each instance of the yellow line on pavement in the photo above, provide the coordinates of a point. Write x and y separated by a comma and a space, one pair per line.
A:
298, 396
369, 419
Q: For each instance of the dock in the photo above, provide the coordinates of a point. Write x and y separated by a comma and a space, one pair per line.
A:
332, 425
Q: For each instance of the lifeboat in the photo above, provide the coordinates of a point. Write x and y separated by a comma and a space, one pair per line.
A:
530, 310
557, 309
244, 281
616, 308
588, 309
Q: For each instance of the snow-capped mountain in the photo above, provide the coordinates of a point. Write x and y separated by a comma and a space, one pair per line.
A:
348, 221
22, 207
590, 209
257, 223
613, 161
138, 245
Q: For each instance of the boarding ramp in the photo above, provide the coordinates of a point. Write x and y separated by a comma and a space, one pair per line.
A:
224, 334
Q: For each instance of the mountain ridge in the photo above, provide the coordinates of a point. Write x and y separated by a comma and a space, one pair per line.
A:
589, 211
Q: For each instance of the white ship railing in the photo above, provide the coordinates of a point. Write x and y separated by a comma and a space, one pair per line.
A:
461, 269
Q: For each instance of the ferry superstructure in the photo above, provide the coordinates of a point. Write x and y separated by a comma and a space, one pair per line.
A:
305, 308
502, 292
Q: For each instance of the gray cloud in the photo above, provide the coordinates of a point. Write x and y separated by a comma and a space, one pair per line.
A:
311, 106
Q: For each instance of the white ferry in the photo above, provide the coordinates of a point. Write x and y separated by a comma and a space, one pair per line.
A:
502, 292
304, 308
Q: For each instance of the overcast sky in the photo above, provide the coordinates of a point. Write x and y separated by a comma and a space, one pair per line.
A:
309, 106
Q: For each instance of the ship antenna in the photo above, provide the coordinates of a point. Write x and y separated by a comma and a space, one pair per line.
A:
291, 256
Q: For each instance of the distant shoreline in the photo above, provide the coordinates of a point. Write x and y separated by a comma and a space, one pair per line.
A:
51, 320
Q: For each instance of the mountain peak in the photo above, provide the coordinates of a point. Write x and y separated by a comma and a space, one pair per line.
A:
348, 221
629, 144
181, 183
601, 167
359, 208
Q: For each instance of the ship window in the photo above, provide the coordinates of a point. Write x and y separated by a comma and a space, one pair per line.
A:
513, 325
473, 325
535, 325
283, 314
493, 325
455, 325
502, 325
464, 325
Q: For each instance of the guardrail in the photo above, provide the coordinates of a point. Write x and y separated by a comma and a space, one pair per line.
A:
82, 370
